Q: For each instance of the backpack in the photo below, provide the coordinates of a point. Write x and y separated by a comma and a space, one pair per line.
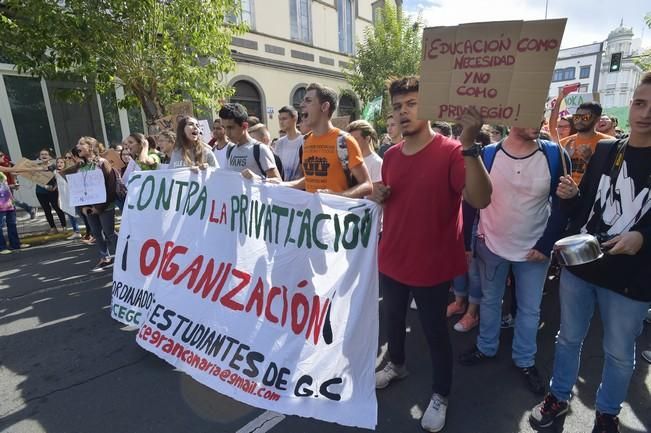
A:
552, 155
256, 157
342, 155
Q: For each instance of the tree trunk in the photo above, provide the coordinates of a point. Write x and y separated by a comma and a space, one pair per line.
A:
150, 102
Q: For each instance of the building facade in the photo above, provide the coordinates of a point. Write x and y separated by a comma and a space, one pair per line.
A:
619, 74
577, 65
604, 67
291, 43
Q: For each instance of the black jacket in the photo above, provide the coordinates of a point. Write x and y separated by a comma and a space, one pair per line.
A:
625, 274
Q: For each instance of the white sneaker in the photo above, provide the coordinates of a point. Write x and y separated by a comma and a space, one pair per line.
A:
74, 236
389, 373
434, 418
413, 305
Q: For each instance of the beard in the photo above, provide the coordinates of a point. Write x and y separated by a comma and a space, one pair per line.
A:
418, 127
581, 128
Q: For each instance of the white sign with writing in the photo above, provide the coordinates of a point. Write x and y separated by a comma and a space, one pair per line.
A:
86, 188
262, 293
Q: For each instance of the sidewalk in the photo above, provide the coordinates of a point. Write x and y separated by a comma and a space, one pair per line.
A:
35, 231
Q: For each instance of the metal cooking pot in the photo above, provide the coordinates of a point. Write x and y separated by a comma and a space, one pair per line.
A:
578, 250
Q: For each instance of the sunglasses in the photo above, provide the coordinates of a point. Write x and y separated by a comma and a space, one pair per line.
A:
583, 117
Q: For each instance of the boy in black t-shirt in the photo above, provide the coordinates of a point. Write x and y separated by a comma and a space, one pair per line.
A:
613, 202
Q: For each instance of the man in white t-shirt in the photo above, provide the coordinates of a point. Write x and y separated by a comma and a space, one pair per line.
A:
367, 139
288, 147
517, 231
219, 142
246, 155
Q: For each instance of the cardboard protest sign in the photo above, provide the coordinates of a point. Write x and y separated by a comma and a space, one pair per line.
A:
113, 156
340, 122
86, 188
183, 108
38, 177
262, 293
167, 123
501, 68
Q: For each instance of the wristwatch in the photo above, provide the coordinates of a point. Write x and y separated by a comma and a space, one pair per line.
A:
473, 151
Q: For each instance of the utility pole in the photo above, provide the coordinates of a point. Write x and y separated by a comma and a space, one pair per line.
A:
546, 7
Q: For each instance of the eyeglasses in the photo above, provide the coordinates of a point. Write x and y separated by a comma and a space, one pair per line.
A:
583, 117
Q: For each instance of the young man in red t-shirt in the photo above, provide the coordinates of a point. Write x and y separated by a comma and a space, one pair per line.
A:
423, 180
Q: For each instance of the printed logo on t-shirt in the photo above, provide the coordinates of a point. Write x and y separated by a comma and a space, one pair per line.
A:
315, 166
618, 206
238, 161
580, 156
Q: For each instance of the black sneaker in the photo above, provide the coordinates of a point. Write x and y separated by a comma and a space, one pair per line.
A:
534, 382
473, 356
605, 423
545, 412
103, 264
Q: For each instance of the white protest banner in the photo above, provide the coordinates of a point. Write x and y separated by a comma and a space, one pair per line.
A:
501, 68
264, 293
206, 132
64, 195
133, 166
86, 188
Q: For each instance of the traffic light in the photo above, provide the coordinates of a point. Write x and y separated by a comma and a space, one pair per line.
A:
615, 62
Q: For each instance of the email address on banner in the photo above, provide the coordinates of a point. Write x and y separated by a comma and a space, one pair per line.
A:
202, 364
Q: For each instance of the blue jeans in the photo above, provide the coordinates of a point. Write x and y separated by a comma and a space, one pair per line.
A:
102, 226
622, 320
73, 223
529, 282
12, 231
469, 284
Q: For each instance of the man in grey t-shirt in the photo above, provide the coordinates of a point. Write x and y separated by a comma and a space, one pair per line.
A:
242, 156
245, 155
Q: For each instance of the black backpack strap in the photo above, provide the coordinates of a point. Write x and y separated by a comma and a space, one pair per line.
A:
256, 156
229, 150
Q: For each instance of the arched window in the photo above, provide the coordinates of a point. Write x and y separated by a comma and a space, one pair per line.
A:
249, 96
348, 106
298, 96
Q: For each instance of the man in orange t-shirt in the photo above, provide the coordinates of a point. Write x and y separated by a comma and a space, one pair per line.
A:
332, 160
581, 145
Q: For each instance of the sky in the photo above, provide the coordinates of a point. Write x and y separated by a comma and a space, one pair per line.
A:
588, 21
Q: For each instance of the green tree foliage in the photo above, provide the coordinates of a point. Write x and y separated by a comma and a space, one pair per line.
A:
391, 48
161, 51
644, 59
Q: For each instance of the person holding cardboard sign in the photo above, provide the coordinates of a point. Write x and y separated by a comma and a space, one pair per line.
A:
423, 180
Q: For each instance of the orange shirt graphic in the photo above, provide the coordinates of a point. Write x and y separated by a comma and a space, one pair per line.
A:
321, 165
580, 151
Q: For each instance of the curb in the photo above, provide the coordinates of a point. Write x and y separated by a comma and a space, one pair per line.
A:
44, 238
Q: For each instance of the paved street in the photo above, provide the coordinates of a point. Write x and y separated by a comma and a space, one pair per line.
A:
67, 367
